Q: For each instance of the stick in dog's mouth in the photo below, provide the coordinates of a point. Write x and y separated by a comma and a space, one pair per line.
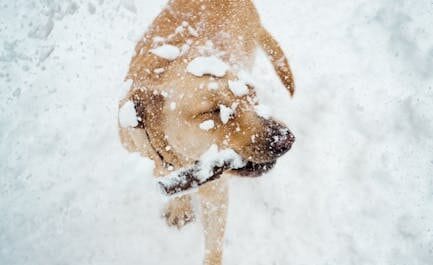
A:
210, 167
253, 170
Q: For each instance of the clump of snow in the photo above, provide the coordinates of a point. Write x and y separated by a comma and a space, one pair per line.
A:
207, 125
263, 111
238, 87
173, 105
211, 65
179, 29
164, 94
127, 115
226, 113
205, 167
218, 158
159, 71
166, 51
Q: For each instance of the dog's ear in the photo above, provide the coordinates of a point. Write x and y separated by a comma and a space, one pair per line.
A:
147, 136
136, 138
149, 110
279, 60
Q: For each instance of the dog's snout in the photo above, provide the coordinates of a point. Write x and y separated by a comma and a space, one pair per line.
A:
279, 138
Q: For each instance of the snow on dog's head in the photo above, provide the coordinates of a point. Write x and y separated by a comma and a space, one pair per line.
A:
213, 106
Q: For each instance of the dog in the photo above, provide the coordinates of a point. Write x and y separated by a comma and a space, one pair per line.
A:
190, 90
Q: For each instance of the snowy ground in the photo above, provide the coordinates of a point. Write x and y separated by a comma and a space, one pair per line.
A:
356, 189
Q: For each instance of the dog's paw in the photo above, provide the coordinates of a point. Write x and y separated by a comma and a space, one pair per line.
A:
178, 218
178, 212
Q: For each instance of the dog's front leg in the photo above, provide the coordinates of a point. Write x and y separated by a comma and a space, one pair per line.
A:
214, 200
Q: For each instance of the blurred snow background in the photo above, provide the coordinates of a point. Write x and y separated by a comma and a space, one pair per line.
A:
356, 189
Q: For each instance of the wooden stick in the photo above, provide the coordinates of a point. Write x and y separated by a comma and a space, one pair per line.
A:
187, 179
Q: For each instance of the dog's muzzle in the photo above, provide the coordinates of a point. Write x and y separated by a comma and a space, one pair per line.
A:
279, 138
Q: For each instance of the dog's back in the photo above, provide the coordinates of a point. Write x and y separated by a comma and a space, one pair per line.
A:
231, 27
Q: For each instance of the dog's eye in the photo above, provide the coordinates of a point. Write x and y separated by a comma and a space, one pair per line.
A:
213, 111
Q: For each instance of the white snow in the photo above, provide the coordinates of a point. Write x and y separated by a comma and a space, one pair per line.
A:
164, 94
127, 115
207, 125
211, 65
238, 87
173, 105
263, 111
179, 29
226, 113
214, 157
159, 71
166, 51
246, 77
355, 189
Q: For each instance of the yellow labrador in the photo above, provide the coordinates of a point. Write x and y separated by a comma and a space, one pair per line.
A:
190, 90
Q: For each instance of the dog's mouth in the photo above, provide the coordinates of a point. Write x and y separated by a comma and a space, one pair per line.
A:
191, 177
252, 169
211, 166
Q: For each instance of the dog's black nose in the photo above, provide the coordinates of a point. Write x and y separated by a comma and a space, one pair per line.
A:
279, 138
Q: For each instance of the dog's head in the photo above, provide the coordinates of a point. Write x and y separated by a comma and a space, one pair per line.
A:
185, 116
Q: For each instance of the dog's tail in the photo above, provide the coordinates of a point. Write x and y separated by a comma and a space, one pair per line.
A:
278, 59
